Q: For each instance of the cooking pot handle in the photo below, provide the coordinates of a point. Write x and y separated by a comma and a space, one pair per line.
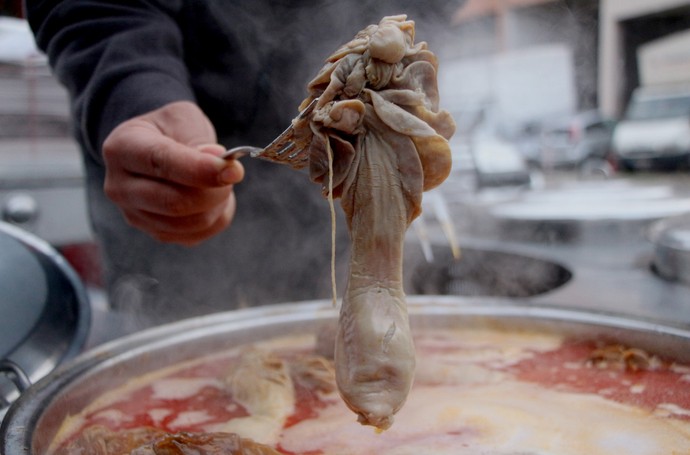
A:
15, 374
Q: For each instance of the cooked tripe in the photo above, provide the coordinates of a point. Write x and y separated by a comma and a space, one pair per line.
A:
378, 140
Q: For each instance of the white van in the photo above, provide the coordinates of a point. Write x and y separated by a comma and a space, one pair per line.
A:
654, 133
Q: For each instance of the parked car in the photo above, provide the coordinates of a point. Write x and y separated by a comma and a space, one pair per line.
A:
581, 141
482, 156
654, 132
527, 140
490, 161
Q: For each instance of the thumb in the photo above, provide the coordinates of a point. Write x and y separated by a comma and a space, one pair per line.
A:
232, 172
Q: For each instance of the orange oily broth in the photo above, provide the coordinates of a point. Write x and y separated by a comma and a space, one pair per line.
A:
475, 389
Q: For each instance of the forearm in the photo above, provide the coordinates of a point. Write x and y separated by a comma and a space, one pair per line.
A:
117, 59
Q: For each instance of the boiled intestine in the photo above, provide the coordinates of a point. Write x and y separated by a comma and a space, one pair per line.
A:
377, 140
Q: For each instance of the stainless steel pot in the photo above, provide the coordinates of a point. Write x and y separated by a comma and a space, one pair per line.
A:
33, 420
671, 238
44, 311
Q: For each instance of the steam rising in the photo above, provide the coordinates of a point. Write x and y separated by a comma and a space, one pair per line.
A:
278, 248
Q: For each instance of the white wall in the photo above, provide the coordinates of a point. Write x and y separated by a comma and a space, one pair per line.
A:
612, 12
666, 60
519, 86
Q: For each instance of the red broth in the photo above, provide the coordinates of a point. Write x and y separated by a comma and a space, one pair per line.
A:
474, 390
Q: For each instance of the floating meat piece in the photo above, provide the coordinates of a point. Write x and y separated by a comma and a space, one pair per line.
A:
313, 372
98, 440
617, 356
378, 141
264, 384
261, 383
204, 444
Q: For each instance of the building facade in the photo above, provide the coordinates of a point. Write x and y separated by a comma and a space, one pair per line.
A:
626, 27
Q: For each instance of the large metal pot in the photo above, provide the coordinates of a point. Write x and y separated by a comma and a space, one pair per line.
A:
671, 238
33, 420
44, 311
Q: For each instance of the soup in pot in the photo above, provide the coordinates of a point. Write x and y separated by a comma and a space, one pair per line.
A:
480, 390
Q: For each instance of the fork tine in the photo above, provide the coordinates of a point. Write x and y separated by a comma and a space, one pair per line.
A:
286, 148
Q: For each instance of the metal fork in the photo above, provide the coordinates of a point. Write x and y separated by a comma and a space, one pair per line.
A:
285, 149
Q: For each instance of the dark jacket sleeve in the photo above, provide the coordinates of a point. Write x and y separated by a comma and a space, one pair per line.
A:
118, 59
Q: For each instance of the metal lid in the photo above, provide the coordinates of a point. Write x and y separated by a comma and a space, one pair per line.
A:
672, 232
671, 238
44, 311
609, 212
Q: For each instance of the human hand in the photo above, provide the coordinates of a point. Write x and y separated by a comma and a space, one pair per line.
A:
164, 172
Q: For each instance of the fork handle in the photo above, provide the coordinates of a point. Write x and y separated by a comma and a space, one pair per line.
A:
236, 153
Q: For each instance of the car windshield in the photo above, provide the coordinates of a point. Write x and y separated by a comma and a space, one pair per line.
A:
657, 108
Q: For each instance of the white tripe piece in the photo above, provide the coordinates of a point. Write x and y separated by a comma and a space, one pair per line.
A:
261, 383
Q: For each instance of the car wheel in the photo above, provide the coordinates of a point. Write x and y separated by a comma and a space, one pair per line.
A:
595, 168
627, 166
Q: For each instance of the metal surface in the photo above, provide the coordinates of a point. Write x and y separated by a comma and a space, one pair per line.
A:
671, 238
610, 256
33, 420
484, 272
236, 153
44, 310
585, 212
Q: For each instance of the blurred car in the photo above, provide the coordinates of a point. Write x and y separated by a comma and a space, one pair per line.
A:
654, 132
489, 160
581, 141
527, 139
